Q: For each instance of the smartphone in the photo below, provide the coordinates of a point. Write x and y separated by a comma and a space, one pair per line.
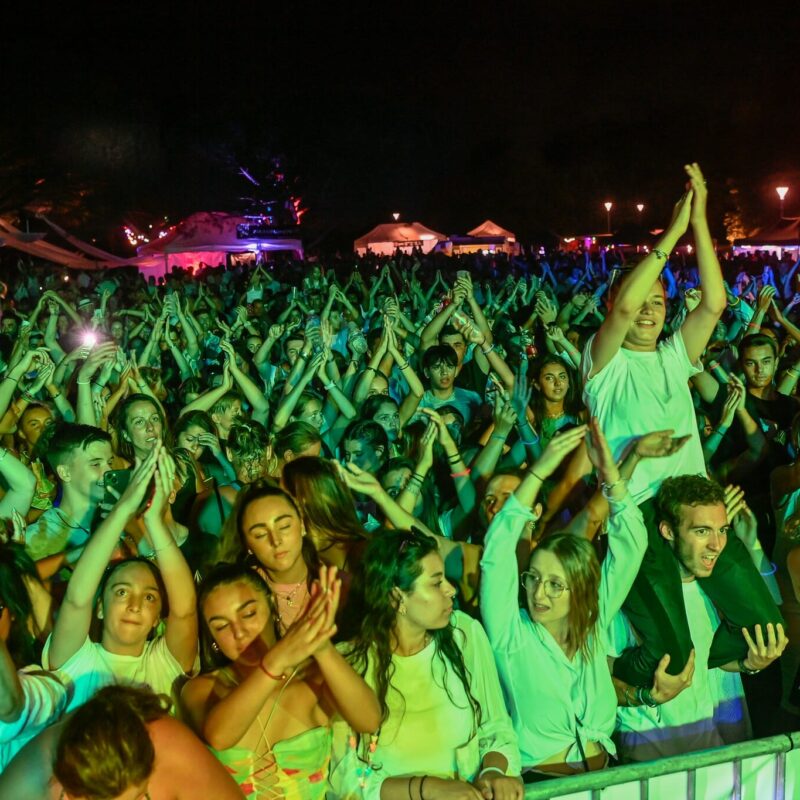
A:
118, 480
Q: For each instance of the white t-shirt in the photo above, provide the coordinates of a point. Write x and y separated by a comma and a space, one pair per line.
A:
709, 713
92, 667
45, 700
466, 401
641, 392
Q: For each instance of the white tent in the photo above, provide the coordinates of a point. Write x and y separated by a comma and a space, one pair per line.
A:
386, 239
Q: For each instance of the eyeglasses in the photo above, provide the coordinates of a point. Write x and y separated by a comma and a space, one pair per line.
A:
553, 589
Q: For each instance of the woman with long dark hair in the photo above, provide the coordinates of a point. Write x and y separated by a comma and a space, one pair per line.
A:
555, 398
265, 531
444, 731
265, 704
329, 511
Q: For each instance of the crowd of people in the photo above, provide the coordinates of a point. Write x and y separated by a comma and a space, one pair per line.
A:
417, 528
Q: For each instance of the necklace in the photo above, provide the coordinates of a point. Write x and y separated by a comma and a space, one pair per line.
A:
288, 597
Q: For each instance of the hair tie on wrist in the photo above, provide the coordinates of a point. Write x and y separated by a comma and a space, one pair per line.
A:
463, 474
281, 677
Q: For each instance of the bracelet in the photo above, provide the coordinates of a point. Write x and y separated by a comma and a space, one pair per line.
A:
745, 669
628, 700
660, 253
9, 378
488, 349
409, 789
498, 436
83, 383
281, 677
491, 769
645, 698
422, 787
26, 395
763, 574
370, 369
55, 396
415, 476
531, 443
734, 304
404, 366
463, 474
454, 459
606, 488
538, 477
329, 386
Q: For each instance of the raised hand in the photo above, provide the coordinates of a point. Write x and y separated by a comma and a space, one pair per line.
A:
164, 486
600, 453
558, 449
699, 189
762, 653
275, 332
692, 298
680, 215
659, 444
765, 297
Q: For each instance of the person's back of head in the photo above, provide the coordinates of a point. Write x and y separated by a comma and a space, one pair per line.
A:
105, 748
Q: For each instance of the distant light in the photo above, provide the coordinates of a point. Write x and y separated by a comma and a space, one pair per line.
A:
640, 207
66, 278
688, 248
608, 206
782, 191
569, 239
594, 240
485, 252
426, 237
396, 216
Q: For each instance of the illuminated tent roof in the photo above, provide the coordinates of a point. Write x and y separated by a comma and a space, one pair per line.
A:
784, 233
386, 238
214, 232
489, 228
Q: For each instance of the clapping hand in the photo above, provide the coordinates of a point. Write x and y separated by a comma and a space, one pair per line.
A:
659, 444
762, 653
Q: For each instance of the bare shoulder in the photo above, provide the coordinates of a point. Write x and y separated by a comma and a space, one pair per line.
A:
185, 768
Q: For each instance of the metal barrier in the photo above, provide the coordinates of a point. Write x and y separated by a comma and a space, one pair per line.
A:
757, 770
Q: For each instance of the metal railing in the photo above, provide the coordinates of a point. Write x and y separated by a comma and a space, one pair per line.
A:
758, 769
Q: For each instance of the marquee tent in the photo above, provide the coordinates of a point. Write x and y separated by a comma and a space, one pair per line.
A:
487, 236
209, 236
386, 239
783, 235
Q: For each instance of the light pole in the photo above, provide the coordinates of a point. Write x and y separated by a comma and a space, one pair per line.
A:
608, 207
782, 192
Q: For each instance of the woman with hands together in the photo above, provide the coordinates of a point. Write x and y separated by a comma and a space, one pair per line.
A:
265, 706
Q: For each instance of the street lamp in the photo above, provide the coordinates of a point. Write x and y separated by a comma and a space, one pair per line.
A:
782, 192
608, 207
640, 208
396, 216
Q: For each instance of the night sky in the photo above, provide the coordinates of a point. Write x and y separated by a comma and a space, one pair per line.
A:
449, 114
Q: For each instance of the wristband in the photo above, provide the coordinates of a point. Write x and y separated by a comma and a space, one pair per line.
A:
645, 698
763, 574
745, 669
491, 769
422, 787
329, 386
498, 436
463, 474
530, 443
538, 477
660, 253
488, 349
417, 477
281, 677
9, 378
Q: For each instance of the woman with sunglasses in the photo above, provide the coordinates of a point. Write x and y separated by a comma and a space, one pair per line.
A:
564, 719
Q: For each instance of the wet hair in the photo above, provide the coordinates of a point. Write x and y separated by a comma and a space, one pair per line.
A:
582, 570
222, 575
686, 490
16, 566
297, 436
393, 561
439, 354
64, 438
757, 340
124, 446
105, 747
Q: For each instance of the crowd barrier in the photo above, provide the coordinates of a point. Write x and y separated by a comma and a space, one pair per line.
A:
763, 769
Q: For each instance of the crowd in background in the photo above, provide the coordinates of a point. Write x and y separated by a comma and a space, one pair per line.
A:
417, 527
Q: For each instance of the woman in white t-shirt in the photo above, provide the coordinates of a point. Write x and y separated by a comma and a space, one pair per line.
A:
134, 596
445, 731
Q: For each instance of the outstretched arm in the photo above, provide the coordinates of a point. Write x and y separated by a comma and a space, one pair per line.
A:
700, 323
635, 289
